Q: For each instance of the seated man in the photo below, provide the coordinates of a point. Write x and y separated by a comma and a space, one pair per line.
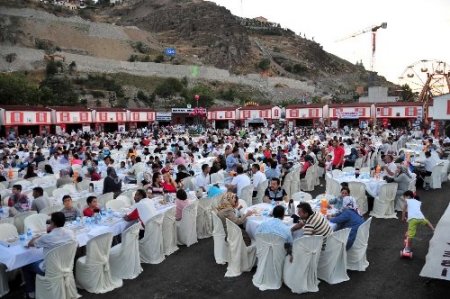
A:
18, 201
57, 236
39, 202
203, 179
276, 226
312, 223
69, 211
144, 210
275, 192
239, 182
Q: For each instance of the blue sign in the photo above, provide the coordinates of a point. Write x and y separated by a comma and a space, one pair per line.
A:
170, 52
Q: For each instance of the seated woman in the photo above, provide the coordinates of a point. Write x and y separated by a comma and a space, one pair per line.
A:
349, 218
70, 213
112, 183
30, 172
156, 186
48, 169
182, 173
308, 162
227, 210
351, 159
168, 183
92, 207
181, 202
402, 178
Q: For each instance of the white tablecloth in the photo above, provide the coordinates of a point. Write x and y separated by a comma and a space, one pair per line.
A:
372, 185
252, 223
17, 256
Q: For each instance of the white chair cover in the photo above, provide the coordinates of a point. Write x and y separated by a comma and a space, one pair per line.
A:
125, 199
301, 275
247, 194
124, 258
83, 185
302, 197
189, 183
444, 170
58, 281
51, 209
270, 253
358, 192
435, 180
92, 271
204, 221
383, 205
59, 193
151, 245
333, 260
36, 222
104, 198
70, 188
6, 231
308, 183
187, 226
220, 244
241, 258
260, 192
356, 255
169, 228
24, 183
336, 172
318, 172
19, 220
116, 205
333, 187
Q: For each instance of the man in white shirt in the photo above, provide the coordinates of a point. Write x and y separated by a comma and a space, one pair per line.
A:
390, 168
57, 236
239, 182
257, 178
144, 210
203, 179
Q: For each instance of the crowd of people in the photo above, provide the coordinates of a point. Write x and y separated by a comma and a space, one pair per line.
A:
159, 161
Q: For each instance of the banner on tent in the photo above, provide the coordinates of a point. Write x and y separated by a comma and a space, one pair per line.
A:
437, 264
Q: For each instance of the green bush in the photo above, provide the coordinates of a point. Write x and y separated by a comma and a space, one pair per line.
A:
159, 58
299, 69
264, 64
169, 87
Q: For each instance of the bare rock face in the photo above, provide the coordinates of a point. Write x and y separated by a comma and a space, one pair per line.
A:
218, 37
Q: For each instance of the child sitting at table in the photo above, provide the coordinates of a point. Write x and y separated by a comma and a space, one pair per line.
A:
181, 202
92, 207
69, 211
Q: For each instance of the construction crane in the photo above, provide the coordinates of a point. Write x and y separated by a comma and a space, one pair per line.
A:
374, 30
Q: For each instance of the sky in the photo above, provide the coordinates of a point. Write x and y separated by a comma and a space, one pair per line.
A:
416, 29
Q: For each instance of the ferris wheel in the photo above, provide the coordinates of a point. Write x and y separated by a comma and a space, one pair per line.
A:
430, 74
427, 78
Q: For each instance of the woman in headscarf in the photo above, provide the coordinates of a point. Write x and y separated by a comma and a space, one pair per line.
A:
228, 209
112, 183
349, 218
351, 159
402, 178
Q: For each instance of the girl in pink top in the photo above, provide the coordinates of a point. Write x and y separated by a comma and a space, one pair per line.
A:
181, 202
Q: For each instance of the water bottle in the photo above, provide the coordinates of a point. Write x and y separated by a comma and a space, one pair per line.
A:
78, 219
110, 212
22, 239
273, 202
29, 234
91, 188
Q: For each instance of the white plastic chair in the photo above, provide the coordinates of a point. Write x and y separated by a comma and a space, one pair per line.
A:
187, 226
332, 266
204, 222
24, 183
19, 220
302, 197
358, 192
124, 258
51, 209
270, 254
336, 172
36, 222
58, 281
247, 194
241, 258
333, 187
116, 205
7, 231
301, 275
356, 255
83, 185
308, 183
126, 199
151, 245
383, 205
169, 229
59, 193
92, 270
220, 244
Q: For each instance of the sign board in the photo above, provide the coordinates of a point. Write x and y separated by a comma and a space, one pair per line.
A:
348, 115
189, 106
170, 52
121, 128
163, 116
86, 128
182, 110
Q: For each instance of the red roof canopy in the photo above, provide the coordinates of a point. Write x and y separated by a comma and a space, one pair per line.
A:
69, 108
24, 108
